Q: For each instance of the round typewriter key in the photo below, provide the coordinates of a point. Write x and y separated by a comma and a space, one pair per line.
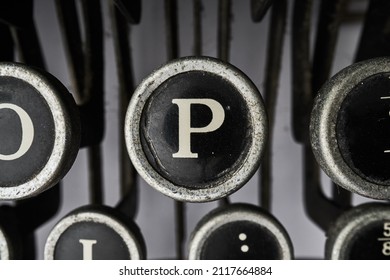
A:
240, 232
4, 246
39, 128
95, 234
195, 129
362, 233
350, 128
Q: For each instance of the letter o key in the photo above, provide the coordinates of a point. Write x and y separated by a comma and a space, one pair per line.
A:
196, 128
40, 131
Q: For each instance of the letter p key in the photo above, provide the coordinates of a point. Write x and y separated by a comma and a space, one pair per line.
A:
185, 129
196, 129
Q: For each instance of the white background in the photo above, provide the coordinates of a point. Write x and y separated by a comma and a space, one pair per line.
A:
156, 212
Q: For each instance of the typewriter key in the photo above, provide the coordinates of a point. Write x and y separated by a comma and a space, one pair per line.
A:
350, 128
95, 233
40, 131
362, 233
195, 129
240, 232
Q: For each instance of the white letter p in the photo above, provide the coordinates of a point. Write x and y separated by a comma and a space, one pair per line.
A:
185, 129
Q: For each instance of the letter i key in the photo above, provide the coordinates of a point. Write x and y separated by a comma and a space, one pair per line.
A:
97, 232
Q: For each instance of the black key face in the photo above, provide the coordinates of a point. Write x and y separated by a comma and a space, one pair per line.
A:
89, 240
194, 129
241, 240
370, 243
27, 132
363, 129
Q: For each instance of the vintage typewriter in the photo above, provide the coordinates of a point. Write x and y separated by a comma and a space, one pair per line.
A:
194, 129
